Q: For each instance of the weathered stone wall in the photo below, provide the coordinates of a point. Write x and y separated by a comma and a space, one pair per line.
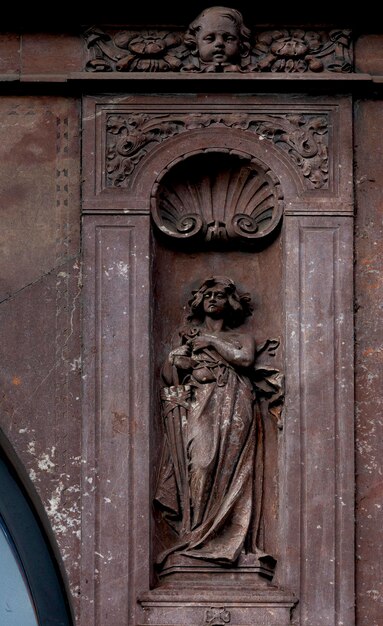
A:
369, 359
41, 296
40, 306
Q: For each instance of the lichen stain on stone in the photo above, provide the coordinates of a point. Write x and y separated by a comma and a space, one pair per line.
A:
31, 447
123, 269
368, 352
64, 519
45, 463
62, 504
375, 595
120, 422
119, 268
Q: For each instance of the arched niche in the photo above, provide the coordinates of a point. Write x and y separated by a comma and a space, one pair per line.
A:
137, 294
217, 212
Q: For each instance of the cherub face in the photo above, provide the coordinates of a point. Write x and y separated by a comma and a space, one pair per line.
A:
218, 40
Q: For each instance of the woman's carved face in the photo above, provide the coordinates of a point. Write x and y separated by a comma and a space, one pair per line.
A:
215, 301
218, 40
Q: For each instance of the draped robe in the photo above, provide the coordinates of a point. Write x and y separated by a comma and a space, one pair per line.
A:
209, 496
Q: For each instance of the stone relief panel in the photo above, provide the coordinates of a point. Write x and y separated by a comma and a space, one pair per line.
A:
219, 41
302, 137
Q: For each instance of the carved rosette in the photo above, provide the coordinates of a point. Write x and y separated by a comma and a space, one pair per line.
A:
217, 197
302, 137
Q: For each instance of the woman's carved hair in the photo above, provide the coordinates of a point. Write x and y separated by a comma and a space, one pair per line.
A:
235, 16
239, 305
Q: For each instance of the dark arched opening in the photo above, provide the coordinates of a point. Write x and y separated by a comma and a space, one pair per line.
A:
32, 590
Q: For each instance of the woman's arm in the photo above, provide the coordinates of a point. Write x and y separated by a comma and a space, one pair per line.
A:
238, 350
178, 358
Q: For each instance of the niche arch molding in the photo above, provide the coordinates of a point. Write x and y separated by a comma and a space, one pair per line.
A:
130, 141
241, 143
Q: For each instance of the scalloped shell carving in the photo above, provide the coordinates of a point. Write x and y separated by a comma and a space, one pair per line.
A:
217, 196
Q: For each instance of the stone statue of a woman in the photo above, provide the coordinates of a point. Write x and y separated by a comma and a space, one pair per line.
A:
212, 458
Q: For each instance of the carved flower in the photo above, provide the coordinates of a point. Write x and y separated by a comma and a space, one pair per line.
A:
147, 47
288, 51
289, 48
148, 51
313, 39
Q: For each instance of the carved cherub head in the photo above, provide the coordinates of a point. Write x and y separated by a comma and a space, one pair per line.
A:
219, 37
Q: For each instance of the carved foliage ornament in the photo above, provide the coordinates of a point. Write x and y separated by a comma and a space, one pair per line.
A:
218, 41
304, 139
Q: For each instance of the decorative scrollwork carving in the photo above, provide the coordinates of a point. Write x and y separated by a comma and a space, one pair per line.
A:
218, 197
303, 137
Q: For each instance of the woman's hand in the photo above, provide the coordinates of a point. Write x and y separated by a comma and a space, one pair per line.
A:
201, 342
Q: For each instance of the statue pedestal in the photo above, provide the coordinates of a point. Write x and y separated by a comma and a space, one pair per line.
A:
216, 604
194, 592
180, 568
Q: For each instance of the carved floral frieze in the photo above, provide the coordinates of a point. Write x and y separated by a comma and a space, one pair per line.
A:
302, 137
280, 50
